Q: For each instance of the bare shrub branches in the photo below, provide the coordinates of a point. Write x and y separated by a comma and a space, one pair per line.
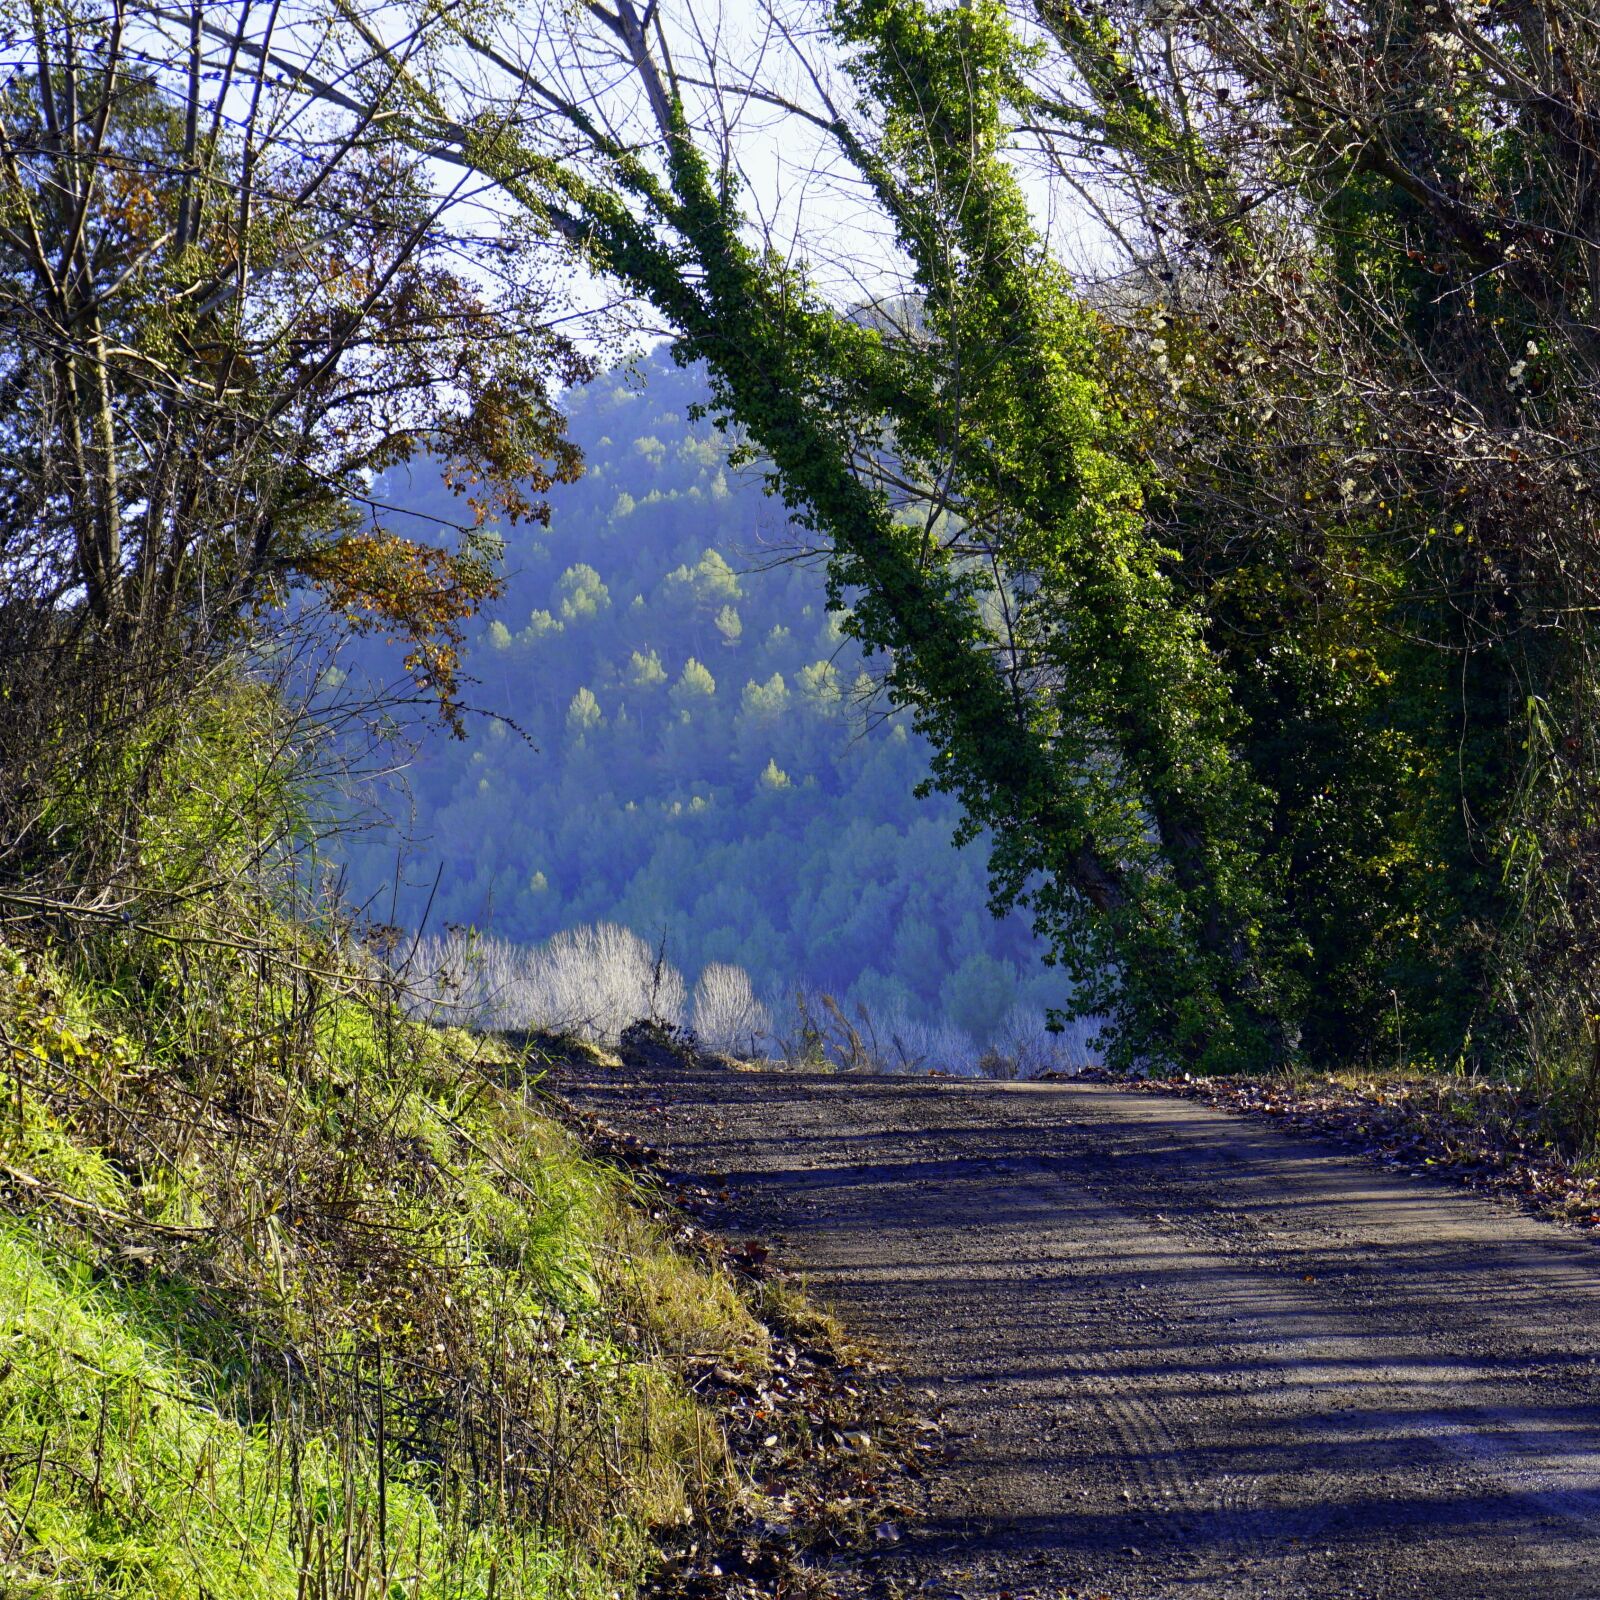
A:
591, 981
726, 1014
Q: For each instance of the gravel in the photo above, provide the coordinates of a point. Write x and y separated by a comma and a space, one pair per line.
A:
1178, 1352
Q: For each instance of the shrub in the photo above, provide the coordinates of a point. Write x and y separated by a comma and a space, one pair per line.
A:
590, 981
727, 1016
919, 1044
1024, 1040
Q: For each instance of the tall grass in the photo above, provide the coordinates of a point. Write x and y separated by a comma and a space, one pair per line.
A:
128, 1474
812, 1026
299, 1298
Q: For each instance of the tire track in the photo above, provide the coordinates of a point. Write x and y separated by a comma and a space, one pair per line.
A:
1182, 1354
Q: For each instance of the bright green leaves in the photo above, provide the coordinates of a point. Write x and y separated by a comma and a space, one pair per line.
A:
1015, 422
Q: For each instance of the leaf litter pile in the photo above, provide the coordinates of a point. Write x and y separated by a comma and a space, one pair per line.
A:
1487, 1136
832, 1451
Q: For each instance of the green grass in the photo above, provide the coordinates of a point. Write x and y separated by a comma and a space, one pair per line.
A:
298, 1299
124, 1477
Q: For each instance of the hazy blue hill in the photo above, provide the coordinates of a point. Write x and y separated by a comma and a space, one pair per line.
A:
695, 758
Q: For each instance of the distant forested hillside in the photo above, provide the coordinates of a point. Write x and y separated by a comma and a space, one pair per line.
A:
687, 747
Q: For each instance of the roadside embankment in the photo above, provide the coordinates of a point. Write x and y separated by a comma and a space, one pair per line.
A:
299, 1299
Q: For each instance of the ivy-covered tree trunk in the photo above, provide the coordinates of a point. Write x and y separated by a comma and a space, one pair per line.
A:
1248, 597
1089, 732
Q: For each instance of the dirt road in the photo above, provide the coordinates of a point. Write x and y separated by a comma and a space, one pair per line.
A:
1183, 1355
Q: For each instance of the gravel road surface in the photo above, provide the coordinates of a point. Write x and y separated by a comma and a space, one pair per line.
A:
1180, 1354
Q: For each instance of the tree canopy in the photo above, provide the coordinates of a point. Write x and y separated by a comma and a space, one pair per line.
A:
1239, 580
225, 308
1232, 601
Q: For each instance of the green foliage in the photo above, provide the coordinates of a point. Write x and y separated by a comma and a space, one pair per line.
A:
1175, 648
765, 702
1392, 529
645, 670
666, 824
580, 594
208, 791
1172, 928
695, 684
729, 626
712, 579
382, 1344
583, 713
978, 994
819, 684
1137, 726
1114, 806
141, 1486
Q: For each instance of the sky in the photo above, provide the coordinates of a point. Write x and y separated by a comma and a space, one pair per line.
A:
800, 193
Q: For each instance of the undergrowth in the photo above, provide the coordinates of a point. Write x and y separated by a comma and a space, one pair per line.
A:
300, 1299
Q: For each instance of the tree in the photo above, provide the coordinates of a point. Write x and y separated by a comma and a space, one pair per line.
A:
1064, 738
819, 686
1247, 601
583, 714
715, 582
695, 686
977, 996
765, 702
645, 670
579, 593
222, 313
729, 626
1374, 228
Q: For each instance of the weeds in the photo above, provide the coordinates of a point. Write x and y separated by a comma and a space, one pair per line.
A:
336, 1306
814, 1029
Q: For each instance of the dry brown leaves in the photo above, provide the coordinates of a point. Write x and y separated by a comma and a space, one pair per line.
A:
1482, 1135
830, 1450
